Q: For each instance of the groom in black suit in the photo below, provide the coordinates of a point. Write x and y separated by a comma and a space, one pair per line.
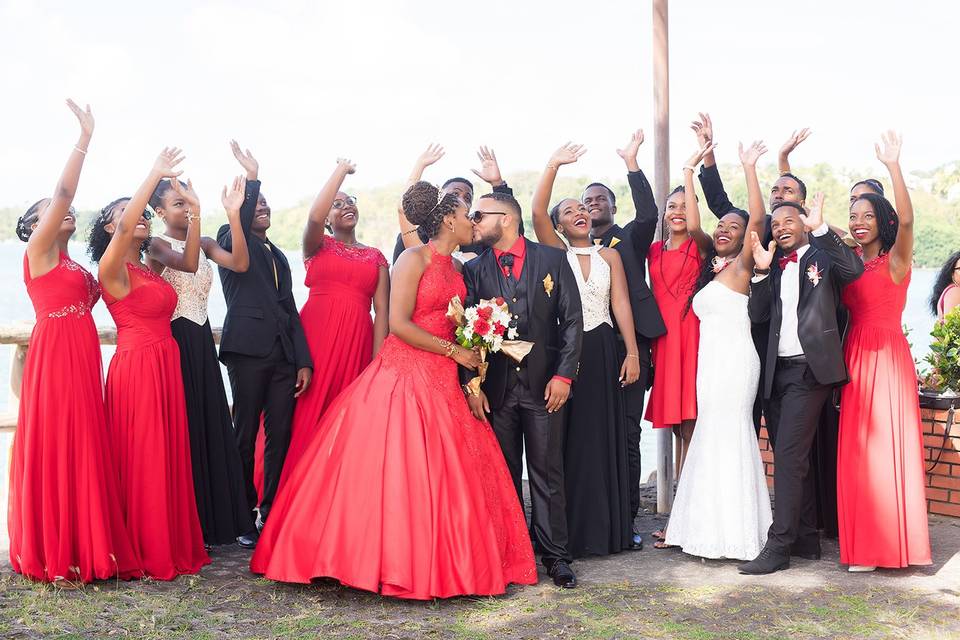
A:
263, 345
526, 400
797, 289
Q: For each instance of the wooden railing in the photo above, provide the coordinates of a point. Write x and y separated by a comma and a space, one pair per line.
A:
18, 336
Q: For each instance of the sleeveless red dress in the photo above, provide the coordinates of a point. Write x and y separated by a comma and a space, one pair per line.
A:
401, 491
881, 504
147, 420
64, 516
673, 274
339, 329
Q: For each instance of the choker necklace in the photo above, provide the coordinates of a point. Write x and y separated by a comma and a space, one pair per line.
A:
719, 264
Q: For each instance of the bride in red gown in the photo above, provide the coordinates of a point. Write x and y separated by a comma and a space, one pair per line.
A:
145, 405
65, 522
882, 506
401, 491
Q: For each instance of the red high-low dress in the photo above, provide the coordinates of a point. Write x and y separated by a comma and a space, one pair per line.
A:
147, 420
64, 518
673, 397
881, 503
401, 491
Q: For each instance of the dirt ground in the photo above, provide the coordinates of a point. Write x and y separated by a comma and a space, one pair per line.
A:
642, 594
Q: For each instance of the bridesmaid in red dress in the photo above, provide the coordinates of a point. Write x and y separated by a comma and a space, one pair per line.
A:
400, 490
64, 517
146, 410
882, 505
674, 265
344, 278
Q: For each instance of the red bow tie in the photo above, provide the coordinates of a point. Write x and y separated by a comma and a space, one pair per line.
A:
784, 260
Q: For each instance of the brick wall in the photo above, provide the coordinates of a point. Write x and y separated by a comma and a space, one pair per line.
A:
943, 481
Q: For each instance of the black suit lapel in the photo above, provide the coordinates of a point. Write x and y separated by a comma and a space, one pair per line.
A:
809, 258
531, 272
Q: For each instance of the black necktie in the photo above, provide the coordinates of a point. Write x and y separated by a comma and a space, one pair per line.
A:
506, 261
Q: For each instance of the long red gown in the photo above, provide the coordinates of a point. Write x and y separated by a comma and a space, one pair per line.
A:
401, 491
339, 329
673, 275
147, 420
64, 516
882, 507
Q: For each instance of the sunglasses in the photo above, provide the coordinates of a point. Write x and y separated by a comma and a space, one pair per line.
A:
477, 216
341, 203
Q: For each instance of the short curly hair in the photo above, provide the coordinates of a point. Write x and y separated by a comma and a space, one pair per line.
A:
425, 205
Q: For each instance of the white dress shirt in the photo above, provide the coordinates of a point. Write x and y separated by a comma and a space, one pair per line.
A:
789, 344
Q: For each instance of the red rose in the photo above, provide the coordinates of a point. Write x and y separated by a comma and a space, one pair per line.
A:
498, 301
484, 313
499, 329
481, 327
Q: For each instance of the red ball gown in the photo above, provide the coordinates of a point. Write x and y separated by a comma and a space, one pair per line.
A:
673, 274
65, 520
882, 507
147, 419
339, 329
401, 491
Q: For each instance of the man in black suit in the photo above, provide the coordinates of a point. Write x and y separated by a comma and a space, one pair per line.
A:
526, 400
263, 345
796, 287
633, 243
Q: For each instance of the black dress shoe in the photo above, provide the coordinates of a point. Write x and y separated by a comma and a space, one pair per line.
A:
636, 544
248, 540
768, 561
562, 575
805, 550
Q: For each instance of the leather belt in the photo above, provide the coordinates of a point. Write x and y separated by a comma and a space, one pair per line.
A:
798, 359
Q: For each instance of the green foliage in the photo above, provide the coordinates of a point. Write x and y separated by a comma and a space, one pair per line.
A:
944, 356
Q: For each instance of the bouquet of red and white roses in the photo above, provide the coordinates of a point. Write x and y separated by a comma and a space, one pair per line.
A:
490, 327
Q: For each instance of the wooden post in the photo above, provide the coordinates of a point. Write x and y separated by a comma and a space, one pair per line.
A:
661, 186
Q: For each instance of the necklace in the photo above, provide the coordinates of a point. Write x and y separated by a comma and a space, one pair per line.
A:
719, 264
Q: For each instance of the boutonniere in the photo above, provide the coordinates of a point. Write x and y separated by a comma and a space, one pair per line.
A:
548, 285
814, 274
614, 242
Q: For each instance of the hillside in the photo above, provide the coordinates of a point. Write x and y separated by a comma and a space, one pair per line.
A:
936, 200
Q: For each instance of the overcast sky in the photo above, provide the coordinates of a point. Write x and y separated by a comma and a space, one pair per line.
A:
302, 82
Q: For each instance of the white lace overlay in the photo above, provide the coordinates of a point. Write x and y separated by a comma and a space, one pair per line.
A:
722, 508
595, 291
192, 288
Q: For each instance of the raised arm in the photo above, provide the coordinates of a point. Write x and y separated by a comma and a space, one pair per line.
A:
901, 254
160, 254
761, 296
703, 241
42, 252
623, 314
783, 159
542, 225
314, 230
847, 265
252, 192
713, 192
237, 259
758, 213
112, 271
408, 232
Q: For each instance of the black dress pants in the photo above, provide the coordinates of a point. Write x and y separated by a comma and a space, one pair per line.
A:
522, 422
262, 386
793, 416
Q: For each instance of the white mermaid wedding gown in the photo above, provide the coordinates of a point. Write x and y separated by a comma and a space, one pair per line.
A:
722, 506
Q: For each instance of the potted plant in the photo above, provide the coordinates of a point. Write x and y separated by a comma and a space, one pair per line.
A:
940, 384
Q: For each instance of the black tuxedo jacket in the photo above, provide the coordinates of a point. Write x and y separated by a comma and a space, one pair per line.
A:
818, 308
717, 200
258, 310
633, 244
554, 321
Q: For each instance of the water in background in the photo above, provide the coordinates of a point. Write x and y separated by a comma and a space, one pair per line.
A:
17, 308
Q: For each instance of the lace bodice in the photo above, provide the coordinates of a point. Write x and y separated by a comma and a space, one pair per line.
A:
874, 299
595, 291
192, 288
348, 272
66, 290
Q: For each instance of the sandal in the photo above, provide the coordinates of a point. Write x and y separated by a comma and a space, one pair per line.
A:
660, 534
660, 544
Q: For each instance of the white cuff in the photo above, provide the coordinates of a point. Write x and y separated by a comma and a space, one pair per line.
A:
760, 278
821, 230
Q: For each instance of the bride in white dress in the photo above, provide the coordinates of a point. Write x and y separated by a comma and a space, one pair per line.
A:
722, 506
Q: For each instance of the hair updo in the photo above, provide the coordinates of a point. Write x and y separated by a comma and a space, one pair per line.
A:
28, 219
99, 238
425, 206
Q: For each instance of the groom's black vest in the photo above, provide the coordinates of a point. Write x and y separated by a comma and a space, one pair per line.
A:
552, 320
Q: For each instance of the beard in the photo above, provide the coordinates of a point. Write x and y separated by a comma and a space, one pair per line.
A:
488, 238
